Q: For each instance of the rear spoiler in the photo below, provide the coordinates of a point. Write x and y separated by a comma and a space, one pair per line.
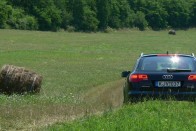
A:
167, 53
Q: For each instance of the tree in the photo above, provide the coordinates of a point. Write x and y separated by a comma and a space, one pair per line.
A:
103, 13
156, 15
178, 13
45, 11
48, 15
193, 14
90, 22
114, 17
65, 15
120, 14
91, 15
83, 17
5, 12
78, 11
126, 14
26, 5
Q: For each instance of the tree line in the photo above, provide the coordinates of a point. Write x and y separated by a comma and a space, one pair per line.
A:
95, 15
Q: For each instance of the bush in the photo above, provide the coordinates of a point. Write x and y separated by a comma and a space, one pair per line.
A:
140, 21
26, 23
71, 28
18, 20
5, 12
108, 30
31, 23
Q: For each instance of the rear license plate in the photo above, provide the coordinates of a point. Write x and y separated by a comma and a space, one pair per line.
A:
168, 83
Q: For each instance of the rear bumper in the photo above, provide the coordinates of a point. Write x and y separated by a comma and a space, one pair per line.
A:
157, 93
163, 95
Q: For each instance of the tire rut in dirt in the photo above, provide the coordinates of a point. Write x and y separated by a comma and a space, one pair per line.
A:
105, 97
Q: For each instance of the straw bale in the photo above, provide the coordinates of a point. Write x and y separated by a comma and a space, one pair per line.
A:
172, 32
19, 80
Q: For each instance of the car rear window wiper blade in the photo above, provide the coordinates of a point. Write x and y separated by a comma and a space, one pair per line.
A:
178, 70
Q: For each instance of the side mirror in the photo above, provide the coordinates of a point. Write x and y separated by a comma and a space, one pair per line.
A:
125, 73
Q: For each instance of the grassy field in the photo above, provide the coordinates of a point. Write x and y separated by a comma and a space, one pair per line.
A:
81, 72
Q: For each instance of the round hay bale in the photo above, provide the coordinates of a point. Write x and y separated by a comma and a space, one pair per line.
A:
172, 32
19, 80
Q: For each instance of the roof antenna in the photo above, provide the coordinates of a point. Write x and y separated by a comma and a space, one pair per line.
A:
167, 52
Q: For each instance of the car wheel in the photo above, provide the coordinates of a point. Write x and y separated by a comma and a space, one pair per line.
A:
125, 94
137, 98
134, 99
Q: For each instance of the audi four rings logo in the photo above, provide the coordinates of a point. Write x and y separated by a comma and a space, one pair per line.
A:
167, 76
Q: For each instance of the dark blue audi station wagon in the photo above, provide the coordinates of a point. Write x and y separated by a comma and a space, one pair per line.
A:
161, 75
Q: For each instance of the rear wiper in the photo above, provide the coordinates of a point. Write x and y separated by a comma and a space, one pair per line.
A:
178, 70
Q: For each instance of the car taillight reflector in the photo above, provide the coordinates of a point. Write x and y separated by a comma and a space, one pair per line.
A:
138, 77
192, 78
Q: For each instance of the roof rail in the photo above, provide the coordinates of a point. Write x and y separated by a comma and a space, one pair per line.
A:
193, 54
142, 54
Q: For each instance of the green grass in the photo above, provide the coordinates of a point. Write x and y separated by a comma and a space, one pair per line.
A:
146, 116
74, 64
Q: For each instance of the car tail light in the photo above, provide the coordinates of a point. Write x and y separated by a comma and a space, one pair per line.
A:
192, 78
138, 77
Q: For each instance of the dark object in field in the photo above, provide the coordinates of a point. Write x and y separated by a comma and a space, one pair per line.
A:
18, 80
172, 32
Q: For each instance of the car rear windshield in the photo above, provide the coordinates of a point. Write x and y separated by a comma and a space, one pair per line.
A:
163, 63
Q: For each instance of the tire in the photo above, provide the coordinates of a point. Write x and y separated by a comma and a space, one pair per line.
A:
125, 94
134, 99
130, 98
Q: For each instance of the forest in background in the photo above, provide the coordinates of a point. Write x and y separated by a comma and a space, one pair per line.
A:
96, 15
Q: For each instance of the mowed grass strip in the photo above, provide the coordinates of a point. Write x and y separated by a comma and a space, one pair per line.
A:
74, 64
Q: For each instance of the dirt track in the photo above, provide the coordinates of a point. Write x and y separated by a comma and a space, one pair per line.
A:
106, 96
96, 101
